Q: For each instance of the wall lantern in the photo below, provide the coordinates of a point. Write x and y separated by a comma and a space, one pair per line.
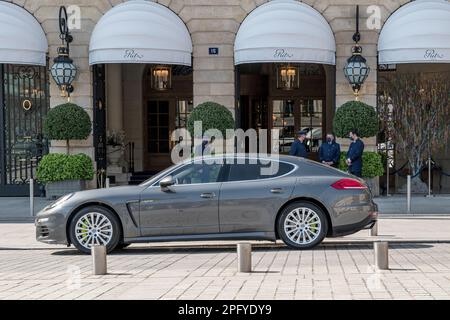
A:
161, 78
288, 77
63, 70
356, 69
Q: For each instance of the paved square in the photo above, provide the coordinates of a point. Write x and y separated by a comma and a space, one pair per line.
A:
418, 271
339, 269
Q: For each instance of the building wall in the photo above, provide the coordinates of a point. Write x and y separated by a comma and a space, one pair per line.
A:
211, 23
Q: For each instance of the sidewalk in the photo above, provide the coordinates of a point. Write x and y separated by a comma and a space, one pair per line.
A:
18, 209
420, 205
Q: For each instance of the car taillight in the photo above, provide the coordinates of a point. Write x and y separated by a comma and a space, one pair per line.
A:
348, 184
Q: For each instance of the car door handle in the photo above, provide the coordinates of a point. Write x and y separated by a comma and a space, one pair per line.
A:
208, 195
276, 190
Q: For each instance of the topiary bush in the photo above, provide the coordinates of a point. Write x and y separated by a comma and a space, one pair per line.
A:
372, 164
213, 116
67, 122
355, 114
60, 167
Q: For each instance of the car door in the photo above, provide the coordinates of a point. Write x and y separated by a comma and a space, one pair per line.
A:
250, 200
189, 207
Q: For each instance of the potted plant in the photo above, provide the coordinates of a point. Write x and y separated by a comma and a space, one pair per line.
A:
63, 173
372, 169
115, 144
213, 116
67, 122
356, 114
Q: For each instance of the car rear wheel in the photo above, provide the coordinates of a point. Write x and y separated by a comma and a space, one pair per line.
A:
302, 225
94, 225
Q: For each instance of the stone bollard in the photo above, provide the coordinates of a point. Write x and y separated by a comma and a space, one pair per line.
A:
381, 253
244, 252
373, 232
98, 259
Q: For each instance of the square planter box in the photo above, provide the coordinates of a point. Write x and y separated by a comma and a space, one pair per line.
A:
374, 185
57, 189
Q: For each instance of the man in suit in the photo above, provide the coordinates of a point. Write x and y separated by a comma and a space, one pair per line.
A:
330, 151
354, 154
298, 147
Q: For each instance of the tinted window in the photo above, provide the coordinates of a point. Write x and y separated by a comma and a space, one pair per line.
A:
249, 171
197, 173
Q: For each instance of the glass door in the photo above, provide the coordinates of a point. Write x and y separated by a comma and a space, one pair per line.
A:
293, 115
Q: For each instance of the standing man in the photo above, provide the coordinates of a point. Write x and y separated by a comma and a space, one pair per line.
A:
354, 154
330, 151
298, 147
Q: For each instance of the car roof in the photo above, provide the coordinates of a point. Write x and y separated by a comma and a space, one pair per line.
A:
272, 157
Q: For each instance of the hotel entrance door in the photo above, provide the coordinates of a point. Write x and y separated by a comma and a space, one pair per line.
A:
293, 115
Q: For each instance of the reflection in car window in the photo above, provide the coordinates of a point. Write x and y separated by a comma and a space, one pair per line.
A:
197, 172
249, 171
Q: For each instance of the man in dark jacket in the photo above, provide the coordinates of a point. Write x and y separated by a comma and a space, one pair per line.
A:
298, 147
330, 152
354, 154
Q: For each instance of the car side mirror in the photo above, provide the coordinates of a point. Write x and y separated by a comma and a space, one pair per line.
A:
167, 182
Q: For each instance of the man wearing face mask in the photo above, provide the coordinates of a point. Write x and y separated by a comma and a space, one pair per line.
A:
330, 151
354, 154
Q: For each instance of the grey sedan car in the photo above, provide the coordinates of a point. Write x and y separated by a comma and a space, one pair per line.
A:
239, 197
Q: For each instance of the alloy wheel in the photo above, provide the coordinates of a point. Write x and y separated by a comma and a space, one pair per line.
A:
302, 225
93, 228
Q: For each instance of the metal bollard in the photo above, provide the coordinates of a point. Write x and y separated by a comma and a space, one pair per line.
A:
408, 194
107, 183
381, 252
373, 232
98, 259
32, 197
244, 252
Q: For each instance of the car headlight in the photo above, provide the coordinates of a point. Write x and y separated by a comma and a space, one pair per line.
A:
59, 201
43, 220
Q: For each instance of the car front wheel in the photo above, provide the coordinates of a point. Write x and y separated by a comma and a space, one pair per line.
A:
302, 225
94, 225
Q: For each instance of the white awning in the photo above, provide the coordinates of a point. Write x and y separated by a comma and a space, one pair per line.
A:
418, 32
285, 30
140, 32
22, 40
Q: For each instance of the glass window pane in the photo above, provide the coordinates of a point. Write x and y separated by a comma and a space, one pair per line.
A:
256, 171
197, 173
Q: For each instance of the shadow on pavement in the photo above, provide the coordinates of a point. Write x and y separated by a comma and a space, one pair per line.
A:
199, 250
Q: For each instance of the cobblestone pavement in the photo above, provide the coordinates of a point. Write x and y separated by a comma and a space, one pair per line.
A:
418, 271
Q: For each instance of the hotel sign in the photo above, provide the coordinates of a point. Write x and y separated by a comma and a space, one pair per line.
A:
131, 54
432, 54
282, 54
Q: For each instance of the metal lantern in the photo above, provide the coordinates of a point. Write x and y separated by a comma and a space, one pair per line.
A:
356, 70
161, 78
63, 70
288, 77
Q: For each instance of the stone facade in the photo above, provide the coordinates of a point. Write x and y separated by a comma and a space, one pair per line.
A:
213, 23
